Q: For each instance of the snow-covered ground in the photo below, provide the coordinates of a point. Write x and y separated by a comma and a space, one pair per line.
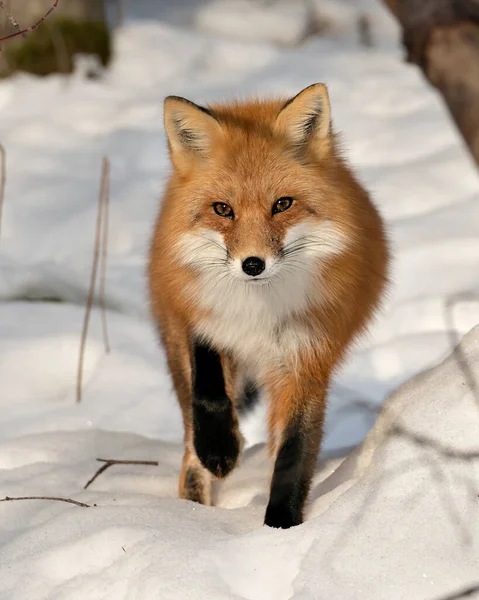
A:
397, 518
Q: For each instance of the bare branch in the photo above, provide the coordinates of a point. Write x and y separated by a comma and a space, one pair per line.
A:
27, 29
105, 200
68, 500
111, 461
3, 180
91, 291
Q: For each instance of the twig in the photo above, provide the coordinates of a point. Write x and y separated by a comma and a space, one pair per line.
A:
3, 179
111, 461
32, 27
68, 500
91, 291
105, 200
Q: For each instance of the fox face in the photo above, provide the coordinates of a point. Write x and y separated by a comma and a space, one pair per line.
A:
256, 184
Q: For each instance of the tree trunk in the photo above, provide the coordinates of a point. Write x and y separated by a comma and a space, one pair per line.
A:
74, 26
442, 38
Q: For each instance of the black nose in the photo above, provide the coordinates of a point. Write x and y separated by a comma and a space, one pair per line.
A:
253, 265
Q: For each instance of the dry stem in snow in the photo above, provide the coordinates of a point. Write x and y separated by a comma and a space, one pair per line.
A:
68, 500
111, 461
102, 213
105, 199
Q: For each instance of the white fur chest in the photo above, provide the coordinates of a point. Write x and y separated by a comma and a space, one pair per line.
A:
254, 324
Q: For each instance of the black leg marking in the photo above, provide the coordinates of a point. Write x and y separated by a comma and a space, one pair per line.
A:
290, 484
248, 398
216, 435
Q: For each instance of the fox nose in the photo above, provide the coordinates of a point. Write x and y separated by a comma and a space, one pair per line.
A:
253, 265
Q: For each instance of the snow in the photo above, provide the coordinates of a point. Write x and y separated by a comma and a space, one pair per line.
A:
394, 506
285, 22
395, 518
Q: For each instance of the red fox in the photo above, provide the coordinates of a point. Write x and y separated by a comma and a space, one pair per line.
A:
268, 259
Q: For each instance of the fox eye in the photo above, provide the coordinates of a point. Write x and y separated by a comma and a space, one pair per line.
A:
223, 210
282, 204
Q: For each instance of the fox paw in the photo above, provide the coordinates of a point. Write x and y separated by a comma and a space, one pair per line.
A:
217, 440
282, 516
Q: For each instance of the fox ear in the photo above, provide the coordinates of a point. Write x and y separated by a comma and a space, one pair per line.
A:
190, 129
305, 120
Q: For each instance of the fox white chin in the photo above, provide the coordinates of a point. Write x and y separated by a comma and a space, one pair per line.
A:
255, 315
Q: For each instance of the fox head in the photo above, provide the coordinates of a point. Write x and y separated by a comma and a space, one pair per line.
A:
259, 195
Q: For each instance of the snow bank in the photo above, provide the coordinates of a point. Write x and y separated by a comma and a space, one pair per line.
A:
395, 520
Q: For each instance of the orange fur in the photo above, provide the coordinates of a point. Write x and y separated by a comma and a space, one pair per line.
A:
247, 155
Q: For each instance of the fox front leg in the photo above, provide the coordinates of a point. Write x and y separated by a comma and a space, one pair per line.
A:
195, 481
216, 435
295, 422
